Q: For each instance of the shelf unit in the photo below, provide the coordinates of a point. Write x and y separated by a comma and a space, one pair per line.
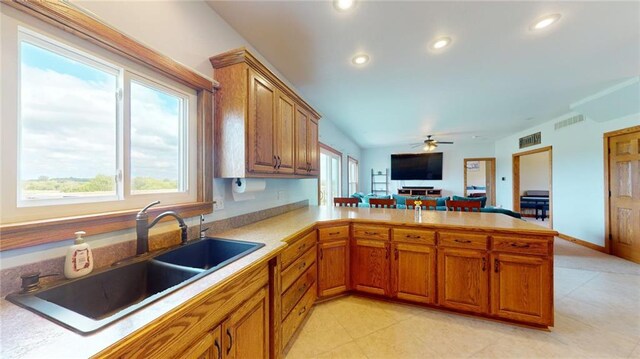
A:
380, 182
416, 191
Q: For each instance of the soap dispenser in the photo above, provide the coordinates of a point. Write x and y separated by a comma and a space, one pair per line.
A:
79, 260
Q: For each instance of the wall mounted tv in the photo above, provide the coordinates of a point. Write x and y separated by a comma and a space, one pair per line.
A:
416, 166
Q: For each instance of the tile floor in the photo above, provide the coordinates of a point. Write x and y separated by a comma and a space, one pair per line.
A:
597, 315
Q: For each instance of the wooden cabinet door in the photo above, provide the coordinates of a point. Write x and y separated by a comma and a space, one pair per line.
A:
245, 334
285, 134
261, 125
370, 266
333, 269
463, 279
413, 272
302, 138
521, 288
207, 347
313, 148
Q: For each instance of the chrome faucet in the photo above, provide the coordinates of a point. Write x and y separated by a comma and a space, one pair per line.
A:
203, 231
143, 226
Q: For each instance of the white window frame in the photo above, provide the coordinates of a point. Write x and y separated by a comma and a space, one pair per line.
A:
16, 209
350, 161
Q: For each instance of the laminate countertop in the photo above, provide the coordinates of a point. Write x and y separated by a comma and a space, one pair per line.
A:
25, 334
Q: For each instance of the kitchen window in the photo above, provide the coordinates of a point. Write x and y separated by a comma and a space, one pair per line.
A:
352, 174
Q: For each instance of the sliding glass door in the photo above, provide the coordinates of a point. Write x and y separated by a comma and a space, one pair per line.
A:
330, 165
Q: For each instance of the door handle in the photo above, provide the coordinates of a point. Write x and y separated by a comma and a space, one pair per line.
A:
496, 265
230, 341
275, 159
396, 253
218, 348
321, 253
484, 264
279, 162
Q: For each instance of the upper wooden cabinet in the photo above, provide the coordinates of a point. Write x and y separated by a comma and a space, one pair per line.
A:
262, 128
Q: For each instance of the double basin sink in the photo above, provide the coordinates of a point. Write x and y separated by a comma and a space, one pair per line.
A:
87, 304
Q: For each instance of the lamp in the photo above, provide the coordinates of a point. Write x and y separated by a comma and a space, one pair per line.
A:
430, 146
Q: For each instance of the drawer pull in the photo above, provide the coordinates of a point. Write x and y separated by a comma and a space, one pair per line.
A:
466, 241
304, 309
302, 265
303, 246
303, 288
518, 245
371, 233
333, 233
413, 236
218, 348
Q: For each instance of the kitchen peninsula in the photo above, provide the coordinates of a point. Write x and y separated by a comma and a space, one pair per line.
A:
483, 264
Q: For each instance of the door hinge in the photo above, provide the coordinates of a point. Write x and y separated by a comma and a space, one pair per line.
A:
609, 193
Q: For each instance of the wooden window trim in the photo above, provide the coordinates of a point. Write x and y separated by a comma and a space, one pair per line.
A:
79, 23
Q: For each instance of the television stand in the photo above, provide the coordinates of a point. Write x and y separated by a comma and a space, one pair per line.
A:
420, 191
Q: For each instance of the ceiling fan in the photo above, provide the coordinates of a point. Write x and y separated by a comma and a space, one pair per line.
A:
429, 144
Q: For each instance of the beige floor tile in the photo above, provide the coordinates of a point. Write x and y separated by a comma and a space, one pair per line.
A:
350, 350
567, 280
320, 334
361, 316
636, 353
569, 255
604, 317
395, 341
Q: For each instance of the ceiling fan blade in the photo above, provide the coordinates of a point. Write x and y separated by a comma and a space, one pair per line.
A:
445, 142
414, 145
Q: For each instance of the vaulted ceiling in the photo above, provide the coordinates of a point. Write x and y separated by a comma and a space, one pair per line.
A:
496, 77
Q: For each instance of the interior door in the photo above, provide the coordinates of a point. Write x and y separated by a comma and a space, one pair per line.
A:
624, 201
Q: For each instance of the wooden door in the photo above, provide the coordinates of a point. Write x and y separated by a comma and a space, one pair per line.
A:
313, 148
413, 272
261, 125
285, 134
624, 195
370, 266
207, 347
245, 334
333, 268
521, 288
463, 280
302, 139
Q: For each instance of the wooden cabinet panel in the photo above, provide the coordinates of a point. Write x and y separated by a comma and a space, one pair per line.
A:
522, 288
463, 240
413, 272
285, 134
302, 140
313, 148
370, 232
245, 334
207, 347
297, 248
414, 236
293, 321
292, 295
333, 268
370, 266
261, 124
333, 233
298, 267
463, 279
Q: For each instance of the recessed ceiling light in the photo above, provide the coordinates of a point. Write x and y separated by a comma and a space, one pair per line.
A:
544, 22
343, 5
441, 43
360, 59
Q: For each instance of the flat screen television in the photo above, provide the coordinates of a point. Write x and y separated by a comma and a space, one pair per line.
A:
416, 166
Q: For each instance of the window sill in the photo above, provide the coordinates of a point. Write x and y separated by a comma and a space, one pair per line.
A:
27, 234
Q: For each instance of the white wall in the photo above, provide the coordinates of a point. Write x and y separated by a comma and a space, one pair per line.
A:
452, 182
534, 172
577, 173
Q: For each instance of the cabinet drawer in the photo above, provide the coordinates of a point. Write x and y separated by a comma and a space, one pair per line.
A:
297, 248
370, 232
293, 321
463, 240
298, 267
520, 245
297, 290
414, 236
331, 233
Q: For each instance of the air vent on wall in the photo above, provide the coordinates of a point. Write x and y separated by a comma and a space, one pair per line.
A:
569, 121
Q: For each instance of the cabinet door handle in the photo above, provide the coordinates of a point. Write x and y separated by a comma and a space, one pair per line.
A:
484, 264
518, 245
386, 256
371, 233
321, 253
466, 241
230, 341
396, 253
496, 265
218, 348
279, 162
275, 159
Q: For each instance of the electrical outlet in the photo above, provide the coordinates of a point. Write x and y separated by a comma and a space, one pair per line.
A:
219, 203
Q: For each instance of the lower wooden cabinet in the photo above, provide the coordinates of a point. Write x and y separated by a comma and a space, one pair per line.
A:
463, 279
207, 347
245, 334
521, 288
333, 267
413, 272
370, 266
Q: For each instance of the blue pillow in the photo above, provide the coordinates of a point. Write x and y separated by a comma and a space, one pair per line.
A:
358, 195
402, 200
483, 200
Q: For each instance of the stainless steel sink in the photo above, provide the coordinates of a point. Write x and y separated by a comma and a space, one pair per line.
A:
89, 303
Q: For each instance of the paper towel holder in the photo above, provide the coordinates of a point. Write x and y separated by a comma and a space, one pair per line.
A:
238, 182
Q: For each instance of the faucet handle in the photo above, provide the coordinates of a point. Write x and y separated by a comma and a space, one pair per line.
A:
31, 281
144, 210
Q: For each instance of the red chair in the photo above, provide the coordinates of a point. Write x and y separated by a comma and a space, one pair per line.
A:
427, 204
463, 206
345, 202
382, 203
